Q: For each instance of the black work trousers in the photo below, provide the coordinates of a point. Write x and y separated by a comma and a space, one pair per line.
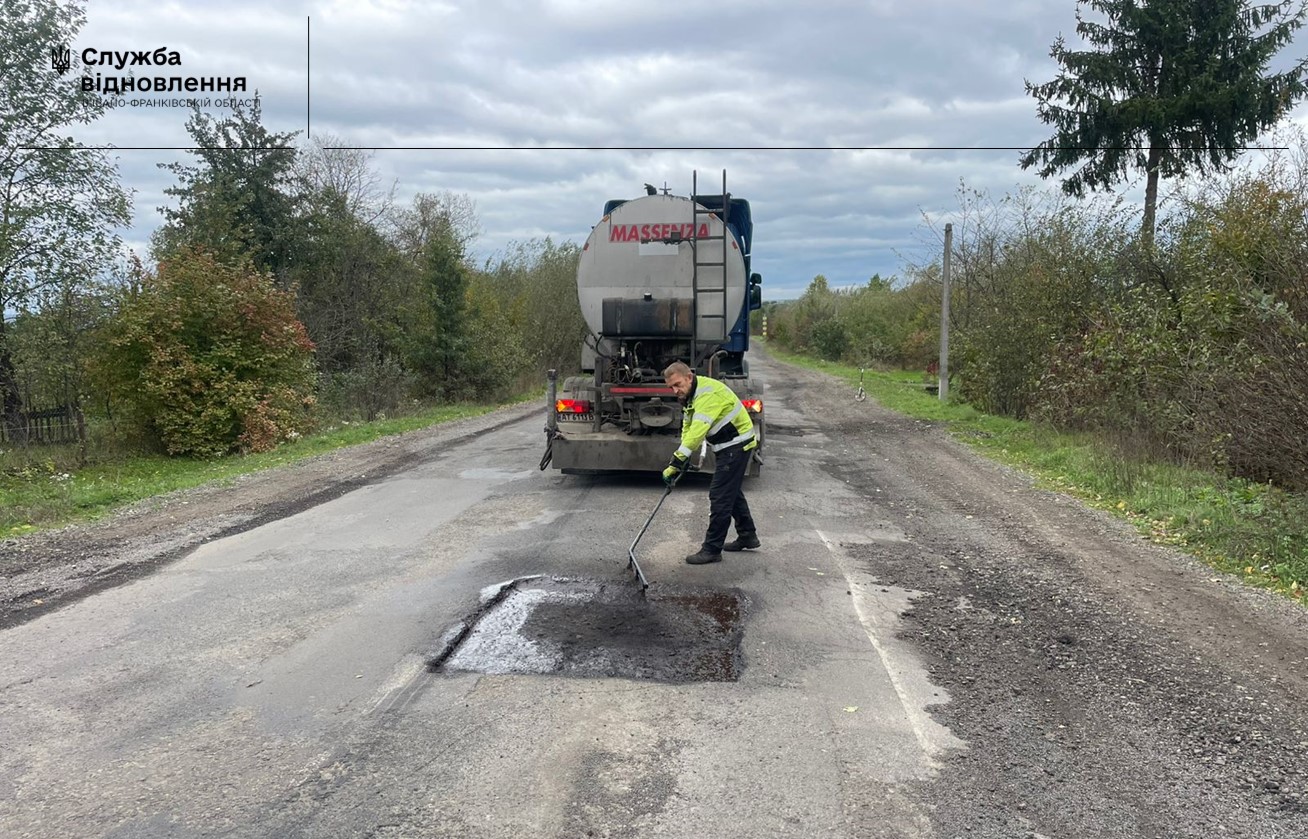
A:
727, 498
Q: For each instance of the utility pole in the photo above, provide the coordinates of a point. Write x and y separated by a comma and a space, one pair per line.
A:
943, 389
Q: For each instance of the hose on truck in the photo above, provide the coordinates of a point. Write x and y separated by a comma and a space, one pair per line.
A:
550, 434
551, 427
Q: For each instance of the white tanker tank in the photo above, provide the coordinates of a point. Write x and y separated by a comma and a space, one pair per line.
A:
651, 262
661, 278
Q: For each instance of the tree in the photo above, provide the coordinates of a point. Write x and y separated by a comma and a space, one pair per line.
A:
353, 283
1167, 86
879, 283
209, 357
60, 201
328, 171
236, 202
539, 279
51, 346
439, 343
434, 234
437, 215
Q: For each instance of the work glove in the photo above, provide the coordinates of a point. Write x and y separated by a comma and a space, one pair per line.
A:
673, 473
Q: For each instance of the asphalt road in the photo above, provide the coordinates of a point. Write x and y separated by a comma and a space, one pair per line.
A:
924, 646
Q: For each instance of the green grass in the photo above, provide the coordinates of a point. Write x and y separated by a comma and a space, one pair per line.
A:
38, 496
1254, 530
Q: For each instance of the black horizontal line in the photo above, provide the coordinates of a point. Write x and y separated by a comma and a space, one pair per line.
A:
647, 148
786, 148
158, 148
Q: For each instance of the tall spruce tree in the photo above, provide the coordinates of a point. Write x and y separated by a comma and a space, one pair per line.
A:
441, 345
1166, 86
235, 201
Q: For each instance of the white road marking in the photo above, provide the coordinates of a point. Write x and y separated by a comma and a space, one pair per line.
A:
410, 667
931, 735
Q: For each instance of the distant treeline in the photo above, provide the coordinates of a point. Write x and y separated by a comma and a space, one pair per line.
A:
288, 288
1195, 347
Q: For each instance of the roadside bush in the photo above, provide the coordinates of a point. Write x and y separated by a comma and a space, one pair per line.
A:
1048, 278
535, 283
829, 339
367, 390
209, 358
1205, 353
1244, 322
881, 324
498, 350
876, 320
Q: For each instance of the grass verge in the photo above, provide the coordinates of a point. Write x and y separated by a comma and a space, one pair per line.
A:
40, 496
1255, 531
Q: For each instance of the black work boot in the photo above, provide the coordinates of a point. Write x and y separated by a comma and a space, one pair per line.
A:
742, 541
703, 558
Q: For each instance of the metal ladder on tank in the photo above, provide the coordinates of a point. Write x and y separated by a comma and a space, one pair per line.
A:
709, 300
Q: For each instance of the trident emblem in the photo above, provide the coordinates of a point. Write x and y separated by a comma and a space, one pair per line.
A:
60, 59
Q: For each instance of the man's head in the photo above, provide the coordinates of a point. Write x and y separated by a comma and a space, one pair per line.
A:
680, 378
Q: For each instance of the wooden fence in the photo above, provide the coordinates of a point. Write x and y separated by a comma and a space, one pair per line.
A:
55, 426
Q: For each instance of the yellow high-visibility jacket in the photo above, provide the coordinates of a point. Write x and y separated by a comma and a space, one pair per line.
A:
714, 412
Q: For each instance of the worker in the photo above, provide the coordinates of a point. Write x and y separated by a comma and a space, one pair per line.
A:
714, 413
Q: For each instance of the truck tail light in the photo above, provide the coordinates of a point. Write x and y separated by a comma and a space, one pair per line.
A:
755, 405
572, 406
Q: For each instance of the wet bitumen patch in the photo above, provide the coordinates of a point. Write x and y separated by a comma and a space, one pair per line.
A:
600, 629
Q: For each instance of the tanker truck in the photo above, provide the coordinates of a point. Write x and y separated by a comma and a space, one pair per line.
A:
661, 278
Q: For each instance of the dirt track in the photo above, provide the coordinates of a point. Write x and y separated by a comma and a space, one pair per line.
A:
1105, 686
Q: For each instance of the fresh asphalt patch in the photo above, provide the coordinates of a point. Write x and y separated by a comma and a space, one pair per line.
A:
600, 629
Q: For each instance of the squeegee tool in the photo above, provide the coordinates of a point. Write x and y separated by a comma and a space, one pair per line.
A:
631, 552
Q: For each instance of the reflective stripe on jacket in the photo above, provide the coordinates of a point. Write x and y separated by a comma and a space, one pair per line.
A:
714, 412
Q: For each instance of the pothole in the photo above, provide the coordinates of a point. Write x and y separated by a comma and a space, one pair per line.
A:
596, 629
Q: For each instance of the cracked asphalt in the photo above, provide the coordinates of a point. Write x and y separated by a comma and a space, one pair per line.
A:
926, 645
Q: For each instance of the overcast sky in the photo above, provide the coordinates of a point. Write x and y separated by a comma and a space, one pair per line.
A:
913, 80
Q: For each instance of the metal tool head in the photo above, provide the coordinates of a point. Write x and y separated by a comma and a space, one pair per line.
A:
631, 552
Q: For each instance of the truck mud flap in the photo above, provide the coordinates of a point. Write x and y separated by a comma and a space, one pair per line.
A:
615, 453
619, 452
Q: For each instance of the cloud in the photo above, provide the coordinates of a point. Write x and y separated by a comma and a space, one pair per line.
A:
928, 84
